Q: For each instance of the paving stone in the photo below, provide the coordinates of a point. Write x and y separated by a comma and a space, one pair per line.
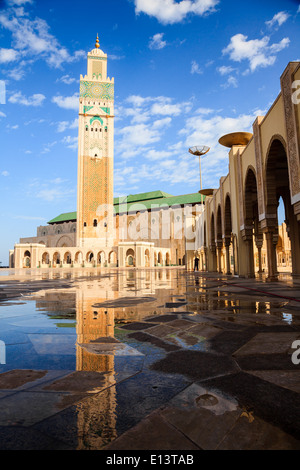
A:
16, 378
19, 438
82, 382
264, 398
266, 362
27, 408
152, 433
146, 338
136, 326
162, 330
283, 378
268, 343
195, 364
226, 342
252, 433
174, 304
161, 318
202, 416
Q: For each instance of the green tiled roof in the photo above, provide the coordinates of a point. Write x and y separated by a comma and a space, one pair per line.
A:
144, 200
67, 217
142, 197
193, 198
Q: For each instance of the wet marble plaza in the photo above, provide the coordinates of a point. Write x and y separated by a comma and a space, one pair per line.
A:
155, 359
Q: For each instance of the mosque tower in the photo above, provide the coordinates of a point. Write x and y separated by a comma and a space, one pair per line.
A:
95, 153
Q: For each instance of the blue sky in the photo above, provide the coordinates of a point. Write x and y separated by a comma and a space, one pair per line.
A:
185, 73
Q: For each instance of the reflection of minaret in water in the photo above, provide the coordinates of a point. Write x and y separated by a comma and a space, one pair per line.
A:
99, 411
93, 324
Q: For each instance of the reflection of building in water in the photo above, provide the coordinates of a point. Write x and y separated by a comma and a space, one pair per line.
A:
100, 303
93, 324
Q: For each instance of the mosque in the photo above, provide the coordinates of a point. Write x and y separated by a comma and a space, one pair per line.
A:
140, 230
232, 229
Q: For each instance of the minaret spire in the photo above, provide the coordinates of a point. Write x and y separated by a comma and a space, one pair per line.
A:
97, 45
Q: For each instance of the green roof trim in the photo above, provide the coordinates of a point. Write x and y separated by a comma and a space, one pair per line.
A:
194, 198
139, 202
67, 217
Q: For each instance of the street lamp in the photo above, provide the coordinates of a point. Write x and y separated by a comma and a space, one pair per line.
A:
199, 150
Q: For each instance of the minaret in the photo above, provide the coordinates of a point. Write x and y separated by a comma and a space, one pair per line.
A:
95, 153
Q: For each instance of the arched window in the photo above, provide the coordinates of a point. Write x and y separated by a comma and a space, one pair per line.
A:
95, 220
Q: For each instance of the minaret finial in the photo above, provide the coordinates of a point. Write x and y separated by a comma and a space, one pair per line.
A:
97, 42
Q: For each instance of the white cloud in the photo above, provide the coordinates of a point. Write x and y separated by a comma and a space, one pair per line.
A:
66, 79
67, 102
71, 142
164, 106
2, 115
225, 69
278, 19
54, 194
157, 42
258, 52
116, 57
157, 154
146, 121
64, 125
170, 11
18, 2
4, 173
139, 135
231, 81
32, 38
35, 100
7, 55
195, 68
160, 123
204, 111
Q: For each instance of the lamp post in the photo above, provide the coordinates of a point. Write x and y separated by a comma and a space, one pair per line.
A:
199, 150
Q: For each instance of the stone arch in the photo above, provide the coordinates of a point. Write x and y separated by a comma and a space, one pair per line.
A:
147, 258
64, 241
67, 257
113, 258
160, 258
212, 244
130, 257
251, 218
219, 241
278, 184
167, 259
27, 259
89, 256
78, 257
56, 258
101, 258
45, 258
228, 232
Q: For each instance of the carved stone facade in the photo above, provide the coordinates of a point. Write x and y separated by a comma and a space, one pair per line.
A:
260, 173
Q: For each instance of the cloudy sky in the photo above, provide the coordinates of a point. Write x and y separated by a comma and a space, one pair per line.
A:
186, 72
